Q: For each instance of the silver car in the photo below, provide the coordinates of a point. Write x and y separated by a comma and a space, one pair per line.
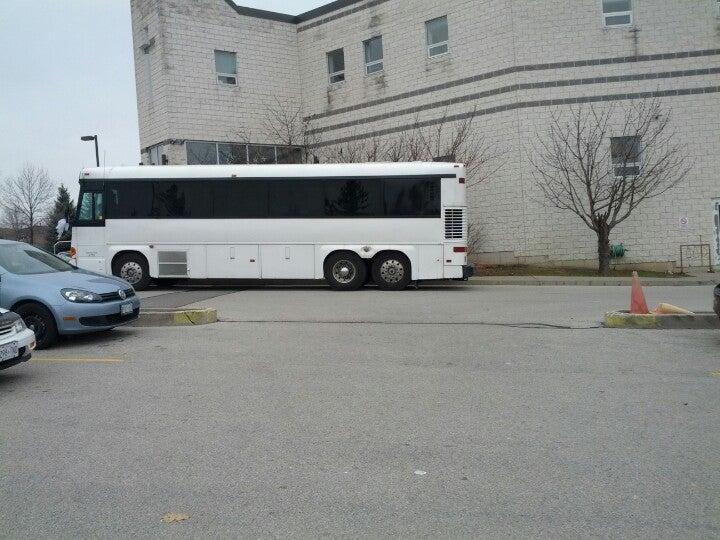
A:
55, 298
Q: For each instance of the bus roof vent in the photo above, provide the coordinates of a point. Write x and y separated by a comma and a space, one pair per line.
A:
454, 223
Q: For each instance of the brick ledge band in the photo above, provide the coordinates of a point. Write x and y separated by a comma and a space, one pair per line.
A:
523, 105
518, 69
516, 88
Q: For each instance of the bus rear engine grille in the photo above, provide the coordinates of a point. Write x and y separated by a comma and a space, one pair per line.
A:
454, 223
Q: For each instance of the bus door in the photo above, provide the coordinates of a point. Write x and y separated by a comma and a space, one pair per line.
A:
88, 232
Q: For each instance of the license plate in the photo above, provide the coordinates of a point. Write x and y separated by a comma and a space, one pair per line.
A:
126, 309
9, 351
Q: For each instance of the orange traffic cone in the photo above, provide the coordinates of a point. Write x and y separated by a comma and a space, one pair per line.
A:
638, 305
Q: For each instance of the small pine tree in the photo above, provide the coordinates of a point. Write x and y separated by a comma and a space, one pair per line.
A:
64, 207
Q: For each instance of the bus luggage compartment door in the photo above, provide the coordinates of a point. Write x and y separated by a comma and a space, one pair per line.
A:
288, 261
233, 262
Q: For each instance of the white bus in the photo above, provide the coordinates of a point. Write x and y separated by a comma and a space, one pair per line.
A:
391, 223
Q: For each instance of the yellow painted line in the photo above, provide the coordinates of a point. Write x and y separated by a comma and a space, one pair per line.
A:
77, 360
715, 373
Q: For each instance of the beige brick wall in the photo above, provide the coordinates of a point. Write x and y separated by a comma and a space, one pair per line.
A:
285, 61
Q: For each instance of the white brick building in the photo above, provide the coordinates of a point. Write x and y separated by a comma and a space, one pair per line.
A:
512, 62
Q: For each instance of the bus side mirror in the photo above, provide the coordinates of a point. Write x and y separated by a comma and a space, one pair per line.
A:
62, 227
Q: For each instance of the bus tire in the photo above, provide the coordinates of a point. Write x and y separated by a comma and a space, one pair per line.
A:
391, 271
345, 271
133, 268
41, 321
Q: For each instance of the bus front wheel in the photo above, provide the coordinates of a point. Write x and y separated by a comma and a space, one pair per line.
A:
133, 268
391, 271
345, 271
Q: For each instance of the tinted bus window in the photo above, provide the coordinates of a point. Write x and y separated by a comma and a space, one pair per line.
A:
181, 199
407, 197
239, 199
128, 200
352, 197
296, 198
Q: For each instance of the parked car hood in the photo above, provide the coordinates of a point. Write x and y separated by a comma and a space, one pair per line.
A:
80, 279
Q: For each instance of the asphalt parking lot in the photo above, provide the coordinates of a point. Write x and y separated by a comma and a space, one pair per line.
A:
446, 411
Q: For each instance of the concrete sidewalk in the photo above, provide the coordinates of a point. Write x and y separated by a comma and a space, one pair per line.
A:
696, 279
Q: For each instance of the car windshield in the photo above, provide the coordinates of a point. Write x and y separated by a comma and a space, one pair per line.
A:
24, 259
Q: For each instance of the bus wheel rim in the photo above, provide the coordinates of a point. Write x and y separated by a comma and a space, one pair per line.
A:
343, 271
392, 271
131, 272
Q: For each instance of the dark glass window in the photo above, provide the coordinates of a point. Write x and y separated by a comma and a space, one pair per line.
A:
240, 199
91, 208
408, 197
261, 155
288, 154
232, 154
201, 153
354, 197
262, 198
127, 200
296, 198
181, 199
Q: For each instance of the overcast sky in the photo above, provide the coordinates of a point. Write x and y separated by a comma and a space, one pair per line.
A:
67, 70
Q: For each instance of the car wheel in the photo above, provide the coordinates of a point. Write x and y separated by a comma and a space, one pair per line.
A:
38, 319
391, 271
345, 271
133, 268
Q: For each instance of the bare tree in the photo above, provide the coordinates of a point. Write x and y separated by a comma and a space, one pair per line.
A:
450, 140
26, 197
10, 219
602, 164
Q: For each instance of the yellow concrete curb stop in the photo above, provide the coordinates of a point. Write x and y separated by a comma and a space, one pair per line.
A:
176, 317
695, 321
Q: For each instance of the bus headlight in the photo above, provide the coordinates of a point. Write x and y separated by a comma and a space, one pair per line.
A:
80, 296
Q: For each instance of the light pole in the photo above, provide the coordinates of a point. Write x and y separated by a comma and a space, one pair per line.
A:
93, 138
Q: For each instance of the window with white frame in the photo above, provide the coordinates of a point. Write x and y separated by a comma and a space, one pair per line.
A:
226, 67
212, 153
437, 34
617, 13
336, 66
373, 55
626, 153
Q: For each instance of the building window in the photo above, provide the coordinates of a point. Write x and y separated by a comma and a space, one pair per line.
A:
373, 55
717, 8
617, 13
201, 153
437, 36
226, 67
210, 153
626, 155
336, 66
232, 154
155, 154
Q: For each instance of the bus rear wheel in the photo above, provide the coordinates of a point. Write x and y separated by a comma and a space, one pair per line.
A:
133, 268
391, 271
345, 271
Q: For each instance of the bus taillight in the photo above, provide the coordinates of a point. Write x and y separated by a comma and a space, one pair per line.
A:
462, 180
460, 249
